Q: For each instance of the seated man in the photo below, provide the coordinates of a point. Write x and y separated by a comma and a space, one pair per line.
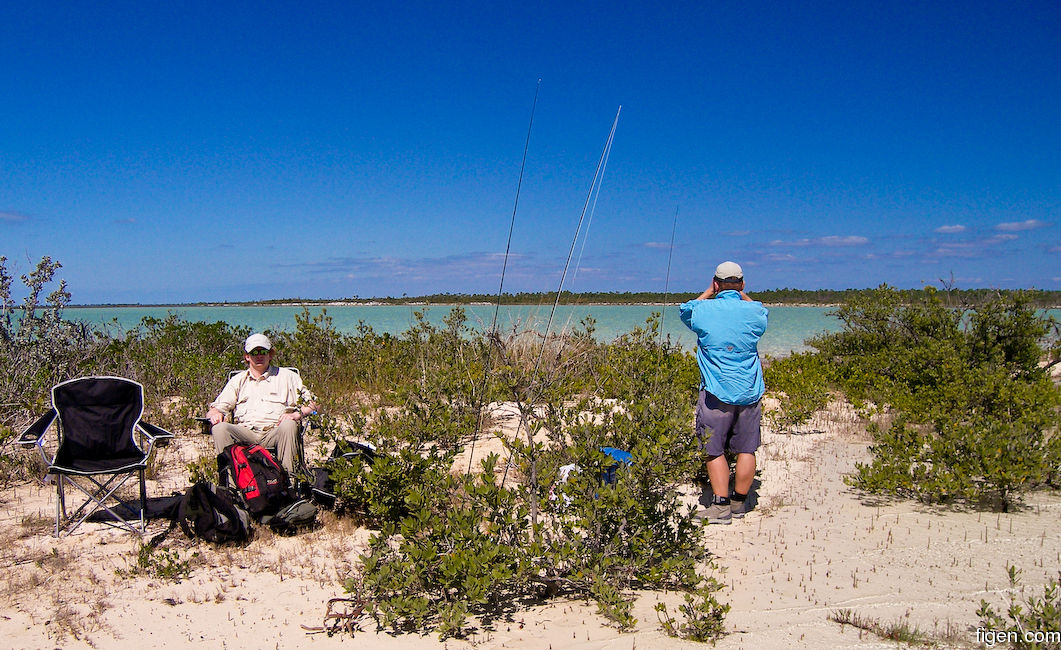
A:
266, 404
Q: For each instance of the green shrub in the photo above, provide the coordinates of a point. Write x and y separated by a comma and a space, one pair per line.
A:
160, 563
203, 470
801, 382
978, 413
379, 493
458, 550
1033, 624
702, 612
38, 349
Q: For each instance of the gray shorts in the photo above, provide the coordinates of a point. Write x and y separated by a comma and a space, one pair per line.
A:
721, 426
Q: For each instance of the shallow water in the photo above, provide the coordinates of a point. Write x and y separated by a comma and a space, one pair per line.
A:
789, 327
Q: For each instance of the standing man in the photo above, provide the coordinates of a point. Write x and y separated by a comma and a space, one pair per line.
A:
728, 326
266, 404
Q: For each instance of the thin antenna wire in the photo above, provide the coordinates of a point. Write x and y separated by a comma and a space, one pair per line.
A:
585, 236
596, 196
666, 295
594, 186
501, 284
666, 285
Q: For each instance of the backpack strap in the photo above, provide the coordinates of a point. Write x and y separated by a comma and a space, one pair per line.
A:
174, 516
192, 495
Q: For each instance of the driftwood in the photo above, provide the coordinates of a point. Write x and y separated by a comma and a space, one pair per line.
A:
342, 615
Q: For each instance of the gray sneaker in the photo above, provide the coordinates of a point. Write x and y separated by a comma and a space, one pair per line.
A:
716, 514
738, 508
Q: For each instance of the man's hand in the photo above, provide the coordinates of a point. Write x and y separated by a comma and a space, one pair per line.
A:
215, 416
295, 415
298, 413
708, 294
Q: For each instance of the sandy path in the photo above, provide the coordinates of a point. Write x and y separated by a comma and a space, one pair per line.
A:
809, 548
819, 549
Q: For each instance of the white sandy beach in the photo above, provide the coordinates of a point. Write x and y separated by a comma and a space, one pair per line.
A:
810, 547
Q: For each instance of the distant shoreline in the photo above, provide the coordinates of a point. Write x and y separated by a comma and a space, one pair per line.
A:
375, 303
1039, 298
415, 302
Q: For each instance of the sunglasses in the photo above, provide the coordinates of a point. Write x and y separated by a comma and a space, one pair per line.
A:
257, 352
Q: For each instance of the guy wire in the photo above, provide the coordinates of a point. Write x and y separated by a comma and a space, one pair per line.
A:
501, 284
594, 187
595, 193
666, 295
597, 178
666, 284
596, 196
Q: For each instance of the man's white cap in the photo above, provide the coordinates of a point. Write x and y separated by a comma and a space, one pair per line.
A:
729, 270
257, 341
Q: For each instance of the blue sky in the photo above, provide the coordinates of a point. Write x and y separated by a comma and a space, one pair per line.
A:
172, 152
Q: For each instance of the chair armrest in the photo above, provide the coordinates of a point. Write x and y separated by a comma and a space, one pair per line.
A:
152, 431
204, 425
33, 434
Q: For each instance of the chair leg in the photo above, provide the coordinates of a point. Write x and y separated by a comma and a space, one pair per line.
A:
300, 454
58, 503
97, 502
143, 501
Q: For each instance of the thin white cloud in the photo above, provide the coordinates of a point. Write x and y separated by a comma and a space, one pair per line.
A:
971, 248
1056, 249
12, 217
850, 240
470, 265
1030, 224
657, 244
830, 240
130, 220
948, 230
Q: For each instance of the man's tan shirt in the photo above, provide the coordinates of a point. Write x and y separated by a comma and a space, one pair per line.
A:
259, 403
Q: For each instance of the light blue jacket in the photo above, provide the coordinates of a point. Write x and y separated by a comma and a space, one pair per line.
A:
727, 332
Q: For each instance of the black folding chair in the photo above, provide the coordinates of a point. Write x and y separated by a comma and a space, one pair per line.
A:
97, 420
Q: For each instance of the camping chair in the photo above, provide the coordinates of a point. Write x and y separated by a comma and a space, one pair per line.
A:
300, 450
96, 422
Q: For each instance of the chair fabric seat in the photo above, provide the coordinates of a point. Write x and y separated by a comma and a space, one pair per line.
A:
87, 466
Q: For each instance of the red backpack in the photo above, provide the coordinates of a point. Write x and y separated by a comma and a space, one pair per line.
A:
261, 480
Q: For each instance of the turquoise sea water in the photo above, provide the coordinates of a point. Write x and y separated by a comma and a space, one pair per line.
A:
788, 327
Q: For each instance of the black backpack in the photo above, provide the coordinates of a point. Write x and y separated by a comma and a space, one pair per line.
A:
215, 513
301, 514
264, 484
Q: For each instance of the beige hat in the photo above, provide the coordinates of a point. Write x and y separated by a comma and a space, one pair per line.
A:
729, 271
257, 341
